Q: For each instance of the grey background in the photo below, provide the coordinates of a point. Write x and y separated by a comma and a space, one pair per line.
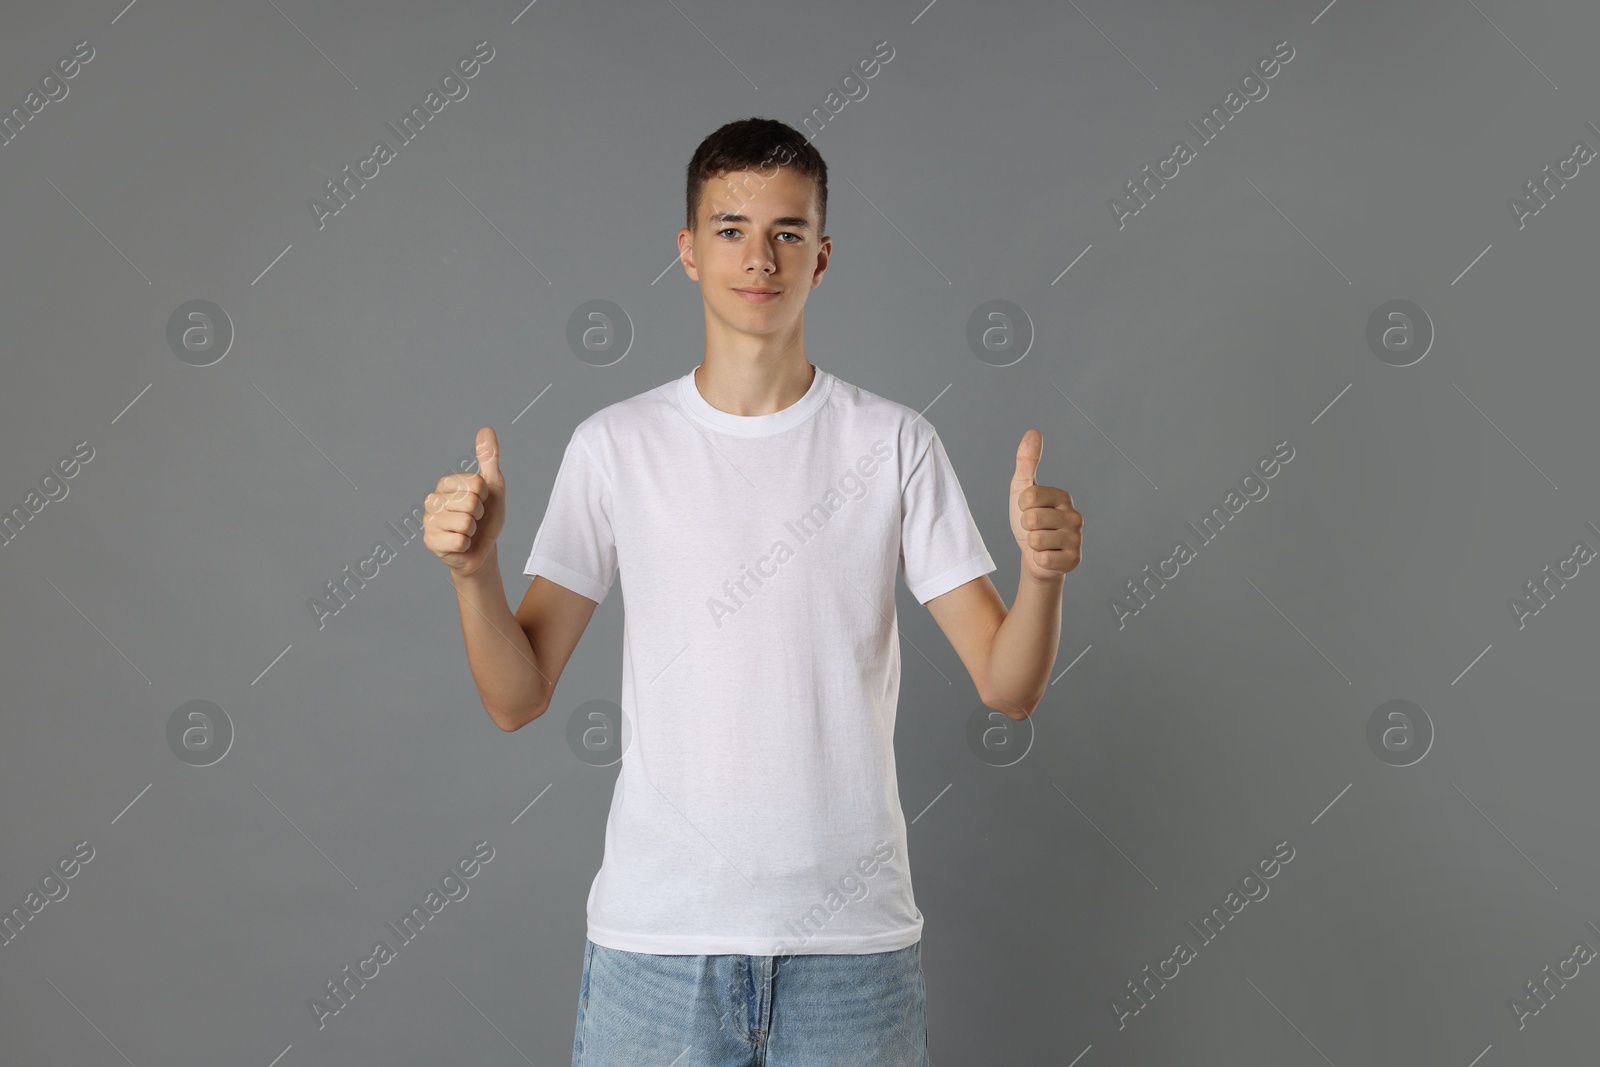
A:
1226, 316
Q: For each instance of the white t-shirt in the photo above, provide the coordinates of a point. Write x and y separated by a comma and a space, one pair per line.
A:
757, 809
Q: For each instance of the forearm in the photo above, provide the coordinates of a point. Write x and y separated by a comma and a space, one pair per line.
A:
502, 659
1024, 648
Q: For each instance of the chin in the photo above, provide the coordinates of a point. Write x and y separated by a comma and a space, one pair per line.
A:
757, 313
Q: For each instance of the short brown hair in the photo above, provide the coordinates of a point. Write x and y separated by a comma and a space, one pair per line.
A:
755, 144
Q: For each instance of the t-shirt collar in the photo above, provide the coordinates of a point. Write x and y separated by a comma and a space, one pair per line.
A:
755, 425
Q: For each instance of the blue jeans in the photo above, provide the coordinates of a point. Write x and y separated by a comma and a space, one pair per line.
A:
820, 1010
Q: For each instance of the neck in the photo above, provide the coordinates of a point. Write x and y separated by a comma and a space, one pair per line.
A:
754, 386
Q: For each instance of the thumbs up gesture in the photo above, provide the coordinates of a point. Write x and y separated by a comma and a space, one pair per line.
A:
1047, 527
465, 512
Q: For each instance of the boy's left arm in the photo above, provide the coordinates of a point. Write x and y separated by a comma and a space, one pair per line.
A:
1010, 653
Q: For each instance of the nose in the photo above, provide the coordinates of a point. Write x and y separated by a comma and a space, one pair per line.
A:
759, 257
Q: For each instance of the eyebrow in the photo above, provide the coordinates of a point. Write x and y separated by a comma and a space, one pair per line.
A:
787, 220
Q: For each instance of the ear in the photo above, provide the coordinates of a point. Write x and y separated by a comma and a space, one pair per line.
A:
686, 253
824, 252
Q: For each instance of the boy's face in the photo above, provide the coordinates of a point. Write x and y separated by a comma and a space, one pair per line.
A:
756, 232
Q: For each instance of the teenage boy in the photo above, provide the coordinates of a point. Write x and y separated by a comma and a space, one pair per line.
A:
754, 899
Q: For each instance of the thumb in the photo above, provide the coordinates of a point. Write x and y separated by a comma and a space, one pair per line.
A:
488, 450
1028, 453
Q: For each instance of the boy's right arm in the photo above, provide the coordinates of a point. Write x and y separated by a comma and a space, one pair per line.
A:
515, 660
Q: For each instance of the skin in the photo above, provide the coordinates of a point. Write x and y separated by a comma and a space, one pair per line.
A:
755, 358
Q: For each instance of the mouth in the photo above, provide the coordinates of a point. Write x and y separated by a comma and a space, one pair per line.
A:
758, 295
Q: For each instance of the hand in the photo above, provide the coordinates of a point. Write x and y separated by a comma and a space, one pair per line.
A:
466, 511
1048, 529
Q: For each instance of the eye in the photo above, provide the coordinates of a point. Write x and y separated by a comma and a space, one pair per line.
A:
786, 233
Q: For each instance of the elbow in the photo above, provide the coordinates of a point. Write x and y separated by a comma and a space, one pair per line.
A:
1012, 709
511, 722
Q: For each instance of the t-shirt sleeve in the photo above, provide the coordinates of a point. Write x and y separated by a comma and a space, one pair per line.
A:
575, 546
940, 546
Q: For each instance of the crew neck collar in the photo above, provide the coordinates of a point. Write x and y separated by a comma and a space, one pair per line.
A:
756, 425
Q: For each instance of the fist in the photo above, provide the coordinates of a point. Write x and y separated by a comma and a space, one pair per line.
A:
1048, 529
464, 513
